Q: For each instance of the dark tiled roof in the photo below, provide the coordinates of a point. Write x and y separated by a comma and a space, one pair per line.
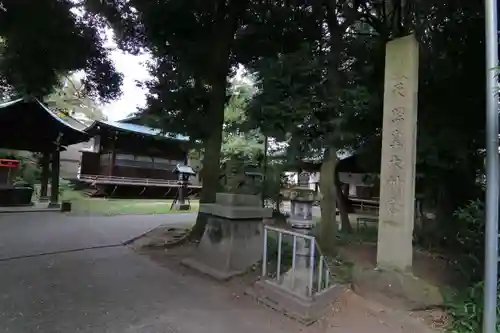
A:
29, 124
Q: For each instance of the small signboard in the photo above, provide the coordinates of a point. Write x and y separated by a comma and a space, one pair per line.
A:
6, 163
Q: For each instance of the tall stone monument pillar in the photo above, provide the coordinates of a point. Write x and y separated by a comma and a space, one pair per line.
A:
397, 176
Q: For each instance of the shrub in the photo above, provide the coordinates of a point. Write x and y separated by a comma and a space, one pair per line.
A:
29, 170
466, 307
469, 240
466, 310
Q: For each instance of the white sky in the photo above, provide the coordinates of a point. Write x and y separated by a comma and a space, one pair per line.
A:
133, 70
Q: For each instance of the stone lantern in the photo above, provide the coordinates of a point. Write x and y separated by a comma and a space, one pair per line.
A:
301, 201
298, 278
183, 173
305, 290
253, 180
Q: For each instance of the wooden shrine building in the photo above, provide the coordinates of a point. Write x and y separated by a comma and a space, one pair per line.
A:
130, 160
28, 124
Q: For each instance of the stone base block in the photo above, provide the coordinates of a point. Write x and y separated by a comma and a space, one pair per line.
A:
396, 289
54, 205
228, 246
236, 212
304, 309
232, 199
66, 206
210, 271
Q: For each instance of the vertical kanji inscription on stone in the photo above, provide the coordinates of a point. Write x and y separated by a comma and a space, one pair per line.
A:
397, 177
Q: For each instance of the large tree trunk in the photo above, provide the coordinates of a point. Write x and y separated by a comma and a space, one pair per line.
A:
328, 226
341, 202
227, 20
211, 157
346, 200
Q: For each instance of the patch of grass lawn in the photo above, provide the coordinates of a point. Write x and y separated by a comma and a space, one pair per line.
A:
84, 205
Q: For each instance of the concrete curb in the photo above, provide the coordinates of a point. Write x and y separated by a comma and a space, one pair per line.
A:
133, 239
97, 247
35, 210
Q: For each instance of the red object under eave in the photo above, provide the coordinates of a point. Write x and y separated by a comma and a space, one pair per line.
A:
6, 163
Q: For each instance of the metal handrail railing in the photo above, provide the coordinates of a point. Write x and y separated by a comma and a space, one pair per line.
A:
323, 271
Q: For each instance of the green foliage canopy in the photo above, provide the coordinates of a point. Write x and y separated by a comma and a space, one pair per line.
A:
40, 40
71, 98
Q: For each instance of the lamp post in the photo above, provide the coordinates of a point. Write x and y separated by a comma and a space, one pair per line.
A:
492, 170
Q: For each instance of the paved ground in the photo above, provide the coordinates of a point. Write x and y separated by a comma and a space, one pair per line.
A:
28, 234
117, 291
61, 274
113, 289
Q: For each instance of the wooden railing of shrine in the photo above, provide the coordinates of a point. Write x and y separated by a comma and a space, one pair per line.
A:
365, 205
112, 180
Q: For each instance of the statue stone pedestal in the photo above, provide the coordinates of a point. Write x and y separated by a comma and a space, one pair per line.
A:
232, 241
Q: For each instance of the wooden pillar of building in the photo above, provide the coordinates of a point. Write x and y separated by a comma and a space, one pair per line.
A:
112, 157
44, 177
54, 184
112, 163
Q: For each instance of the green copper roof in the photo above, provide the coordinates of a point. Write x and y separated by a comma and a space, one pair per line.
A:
139, 129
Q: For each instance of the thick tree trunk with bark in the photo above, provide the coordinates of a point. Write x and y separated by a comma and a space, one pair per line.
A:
341, 202
211, 157
345, 197
227, 20
328, 226
336, 77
